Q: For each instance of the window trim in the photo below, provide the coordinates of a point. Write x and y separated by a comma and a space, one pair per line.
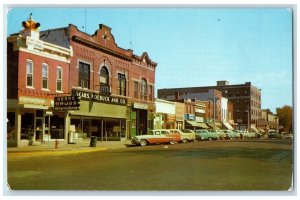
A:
61, 79
89, 76
144, 88
32, 74
47, 78
122, 77
108, 74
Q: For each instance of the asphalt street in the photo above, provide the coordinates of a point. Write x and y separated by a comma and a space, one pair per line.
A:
202, 166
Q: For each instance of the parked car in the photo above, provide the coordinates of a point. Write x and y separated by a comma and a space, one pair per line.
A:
231, 134
273, 135
203, 134
157, 137
221, 134
288, 136
187, 135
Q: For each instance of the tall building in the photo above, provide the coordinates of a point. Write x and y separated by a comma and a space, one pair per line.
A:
246, 99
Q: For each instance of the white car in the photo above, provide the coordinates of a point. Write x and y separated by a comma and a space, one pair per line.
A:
156, 137
186, 134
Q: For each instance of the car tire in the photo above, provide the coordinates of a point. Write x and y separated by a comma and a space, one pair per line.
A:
209, 139
184, 140
172, 142
143, 142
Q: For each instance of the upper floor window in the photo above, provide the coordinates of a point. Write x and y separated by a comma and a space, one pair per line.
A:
45, 76
136, 89
104, 76
29, 73
84, 75
121, 84
59, 79
144, 89
150, 93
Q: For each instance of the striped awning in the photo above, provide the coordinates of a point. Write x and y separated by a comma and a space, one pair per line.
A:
196, 124
228, 126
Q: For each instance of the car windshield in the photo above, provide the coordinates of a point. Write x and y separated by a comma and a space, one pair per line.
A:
186, 131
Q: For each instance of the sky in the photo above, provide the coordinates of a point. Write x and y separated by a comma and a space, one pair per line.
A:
193, 46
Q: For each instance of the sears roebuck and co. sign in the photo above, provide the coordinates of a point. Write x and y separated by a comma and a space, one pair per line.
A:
99, 98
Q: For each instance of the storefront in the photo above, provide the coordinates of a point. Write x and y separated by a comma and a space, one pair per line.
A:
31, 119
141, 118
98, 115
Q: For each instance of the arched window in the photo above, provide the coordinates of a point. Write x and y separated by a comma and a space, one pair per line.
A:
104, 76
144, 89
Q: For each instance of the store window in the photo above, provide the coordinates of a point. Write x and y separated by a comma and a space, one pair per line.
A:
27, 125
144, 89
11, 130
59, 79
57, 126
29, 73
45, 76
121, 84
84, 75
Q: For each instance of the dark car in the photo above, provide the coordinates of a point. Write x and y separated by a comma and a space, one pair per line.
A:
273, 135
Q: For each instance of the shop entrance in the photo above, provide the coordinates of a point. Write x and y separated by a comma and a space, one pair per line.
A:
141, 122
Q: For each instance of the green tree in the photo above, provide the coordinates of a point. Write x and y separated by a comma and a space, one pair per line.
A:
285, 115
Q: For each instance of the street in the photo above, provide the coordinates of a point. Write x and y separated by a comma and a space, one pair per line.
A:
209, 165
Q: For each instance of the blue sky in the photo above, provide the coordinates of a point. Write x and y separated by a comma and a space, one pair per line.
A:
193, 46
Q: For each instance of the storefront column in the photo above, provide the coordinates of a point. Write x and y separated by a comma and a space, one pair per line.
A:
67, 125
17, 136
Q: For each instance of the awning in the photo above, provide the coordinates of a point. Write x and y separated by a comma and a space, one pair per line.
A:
212, 125
254, 129
261, 130
196, 124
203, 125
228, 126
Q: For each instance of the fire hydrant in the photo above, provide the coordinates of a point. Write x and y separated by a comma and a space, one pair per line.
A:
56, 144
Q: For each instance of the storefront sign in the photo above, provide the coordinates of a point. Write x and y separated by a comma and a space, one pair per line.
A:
34, 101
67, 103
189, 117
33, 43
100, 98
199, 119
140, 106
105, 90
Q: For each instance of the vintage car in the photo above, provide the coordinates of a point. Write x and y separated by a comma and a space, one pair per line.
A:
221, 134
203, 134
186, 134
157, 137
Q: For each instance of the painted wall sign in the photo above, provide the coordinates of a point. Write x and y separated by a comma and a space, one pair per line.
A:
99, 98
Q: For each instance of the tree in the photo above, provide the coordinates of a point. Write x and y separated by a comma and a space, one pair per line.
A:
285, 115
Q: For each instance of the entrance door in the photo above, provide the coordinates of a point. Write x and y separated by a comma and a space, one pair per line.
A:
133, 123
38, 129
142, 122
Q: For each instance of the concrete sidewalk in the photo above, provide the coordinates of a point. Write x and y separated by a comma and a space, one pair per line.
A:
65, 148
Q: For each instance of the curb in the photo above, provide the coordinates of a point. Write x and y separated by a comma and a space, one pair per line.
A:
54, 152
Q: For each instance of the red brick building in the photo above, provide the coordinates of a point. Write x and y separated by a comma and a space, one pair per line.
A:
116, 87
36, 71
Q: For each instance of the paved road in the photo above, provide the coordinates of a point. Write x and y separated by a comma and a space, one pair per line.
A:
201, 166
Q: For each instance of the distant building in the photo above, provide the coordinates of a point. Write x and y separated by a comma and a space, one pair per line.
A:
246, 99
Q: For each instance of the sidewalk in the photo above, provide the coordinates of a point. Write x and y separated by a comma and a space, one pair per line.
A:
65, 148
